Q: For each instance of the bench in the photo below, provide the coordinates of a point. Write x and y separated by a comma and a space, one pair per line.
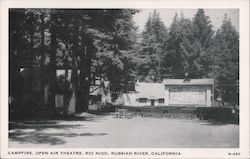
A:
123, 113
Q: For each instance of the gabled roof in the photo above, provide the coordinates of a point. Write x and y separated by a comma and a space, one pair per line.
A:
191, 82
149, 90
95, 90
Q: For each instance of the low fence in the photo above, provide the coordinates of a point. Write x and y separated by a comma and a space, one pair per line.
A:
159, 112
217, 114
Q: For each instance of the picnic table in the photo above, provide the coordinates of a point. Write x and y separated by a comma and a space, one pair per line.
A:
123, 113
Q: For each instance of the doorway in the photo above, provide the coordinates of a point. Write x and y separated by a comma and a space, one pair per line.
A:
152, 102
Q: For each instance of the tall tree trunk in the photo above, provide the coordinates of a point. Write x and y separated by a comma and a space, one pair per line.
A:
74, 86
82, 73
73, 105
90, 50
52, 65
14, 48
42, 49
32, 102
66, 90
15, 80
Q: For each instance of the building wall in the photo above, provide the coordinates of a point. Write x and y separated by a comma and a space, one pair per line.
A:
131, 99
143, 104
148, 103
209, 97
197, 95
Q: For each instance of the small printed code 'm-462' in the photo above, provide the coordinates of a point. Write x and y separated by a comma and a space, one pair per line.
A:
234, 153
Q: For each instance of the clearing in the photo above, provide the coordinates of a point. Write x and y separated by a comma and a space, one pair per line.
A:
105, 131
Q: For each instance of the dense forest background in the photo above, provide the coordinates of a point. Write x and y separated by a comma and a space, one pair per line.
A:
107, 42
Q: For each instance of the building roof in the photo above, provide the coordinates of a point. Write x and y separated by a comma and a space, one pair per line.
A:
149, 90
95, 90
191, 82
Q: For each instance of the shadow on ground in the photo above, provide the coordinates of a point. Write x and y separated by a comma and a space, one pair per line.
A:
48, 131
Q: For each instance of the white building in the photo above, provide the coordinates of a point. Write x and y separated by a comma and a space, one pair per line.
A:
172, 92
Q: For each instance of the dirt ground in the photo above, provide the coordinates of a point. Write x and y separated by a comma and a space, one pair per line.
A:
109, 132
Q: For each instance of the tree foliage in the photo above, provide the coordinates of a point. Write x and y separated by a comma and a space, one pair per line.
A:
116, 49
80, 40
187, 45
106, 41
225, 62
151, 48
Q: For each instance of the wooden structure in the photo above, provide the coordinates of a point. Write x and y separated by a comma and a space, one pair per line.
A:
172, 92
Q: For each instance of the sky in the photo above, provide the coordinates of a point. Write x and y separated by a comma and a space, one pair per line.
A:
167, 15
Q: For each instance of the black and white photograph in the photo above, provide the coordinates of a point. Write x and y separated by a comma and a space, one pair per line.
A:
124, 78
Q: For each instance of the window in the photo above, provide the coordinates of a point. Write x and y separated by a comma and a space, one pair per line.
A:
161, 100
143, 100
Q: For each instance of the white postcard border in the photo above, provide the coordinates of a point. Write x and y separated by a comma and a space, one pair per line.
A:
243, 6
